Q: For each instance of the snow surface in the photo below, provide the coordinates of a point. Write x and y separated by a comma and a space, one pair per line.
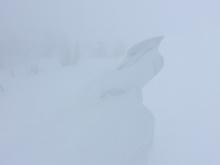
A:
89, 113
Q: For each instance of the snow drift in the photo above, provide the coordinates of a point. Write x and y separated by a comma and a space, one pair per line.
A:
88, 114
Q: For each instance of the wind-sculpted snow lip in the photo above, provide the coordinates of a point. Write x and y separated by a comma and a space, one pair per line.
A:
89, 114
134, 54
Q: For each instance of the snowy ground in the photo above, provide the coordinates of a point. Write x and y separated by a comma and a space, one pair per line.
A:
86, 112
184, 98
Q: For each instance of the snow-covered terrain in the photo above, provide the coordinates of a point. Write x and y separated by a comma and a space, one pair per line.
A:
89, 113
38, 38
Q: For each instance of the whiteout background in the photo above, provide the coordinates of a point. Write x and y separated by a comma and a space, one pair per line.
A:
184, 97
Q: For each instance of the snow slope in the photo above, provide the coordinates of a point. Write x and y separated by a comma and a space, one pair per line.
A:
88, 114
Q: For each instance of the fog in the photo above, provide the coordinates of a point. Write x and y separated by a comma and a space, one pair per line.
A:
184, 97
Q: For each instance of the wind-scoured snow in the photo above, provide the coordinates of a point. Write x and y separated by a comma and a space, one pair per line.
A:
89, 113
